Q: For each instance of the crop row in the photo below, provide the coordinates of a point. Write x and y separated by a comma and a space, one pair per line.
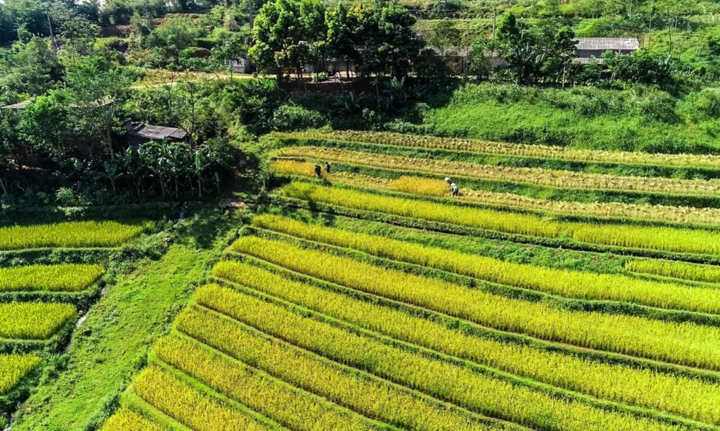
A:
128, 420
33, 321
453, 382
680, 343
574, 284
436, 187
292, 407
689, 397
537, 176
683, 270
189, 406
646, 237
350, 388
13, 368
68, 234
520, 150
53, 278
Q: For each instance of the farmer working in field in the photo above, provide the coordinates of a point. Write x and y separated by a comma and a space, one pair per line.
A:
454, 189
327, 167
318, 171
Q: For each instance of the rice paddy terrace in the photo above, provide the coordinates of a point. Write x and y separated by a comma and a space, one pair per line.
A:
561, 290
40, 303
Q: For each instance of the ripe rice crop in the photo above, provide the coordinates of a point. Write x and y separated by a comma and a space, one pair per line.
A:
692, 398
67, 278
128, 420
685, 344
657, 238
189, 406
33, 321
70, 235
573, 284
432, 187
683, 270
537, 176
467, 388
424, 186
354, 390
13, 368
292, 407
519, 150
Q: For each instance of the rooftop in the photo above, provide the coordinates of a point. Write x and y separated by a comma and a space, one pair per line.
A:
157, 133
607, 44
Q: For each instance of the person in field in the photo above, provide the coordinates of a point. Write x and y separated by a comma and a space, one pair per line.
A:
318, 171
327, 167
454, 189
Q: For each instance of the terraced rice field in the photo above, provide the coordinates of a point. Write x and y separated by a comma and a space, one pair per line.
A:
356, 302
40, 303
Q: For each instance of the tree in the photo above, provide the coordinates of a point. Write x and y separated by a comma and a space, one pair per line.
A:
230, 50
642, 67
44, 124
340, 35
312, 19
389, 43
445, 36
29, 68
172, 37
279, 38
7, 26
93, 93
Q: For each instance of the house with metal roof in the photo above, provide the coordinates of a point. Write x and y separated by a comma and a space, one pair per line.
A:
139, 133
595, 47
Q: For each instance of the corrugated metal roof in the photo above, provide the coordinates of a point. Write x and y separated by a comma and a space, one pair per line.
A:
607, 43
21, 105
158, 132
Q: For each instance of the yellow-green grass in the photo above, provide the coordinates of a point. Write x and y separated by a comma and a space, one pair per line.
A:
353, 389
537, 176
453, 382
573, 284
52, 278
436, 187
680, 343
33, 321
683, 270
129, 420
13, 368
292, 407
520, 150
644, 237
619, 382
68, 235
189, 406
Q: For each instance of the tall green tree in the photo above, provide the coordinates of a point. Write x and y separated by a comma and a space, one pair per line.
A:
279, 38
341, 27
94, 94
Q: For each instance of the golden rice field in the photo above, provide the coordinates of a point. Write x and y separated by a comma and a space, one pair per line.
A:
619, 382
507, 149
65, 278
536, 176
573, 284
315, 322
68, 235
33, 321
619, 235
433, 187
13, 368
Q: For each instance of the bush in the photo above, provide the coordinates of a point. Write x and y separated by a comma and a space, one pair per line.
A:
289, 117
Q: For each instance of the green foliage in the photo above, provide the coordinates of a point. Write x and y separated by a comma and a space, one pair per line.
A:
296, 118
